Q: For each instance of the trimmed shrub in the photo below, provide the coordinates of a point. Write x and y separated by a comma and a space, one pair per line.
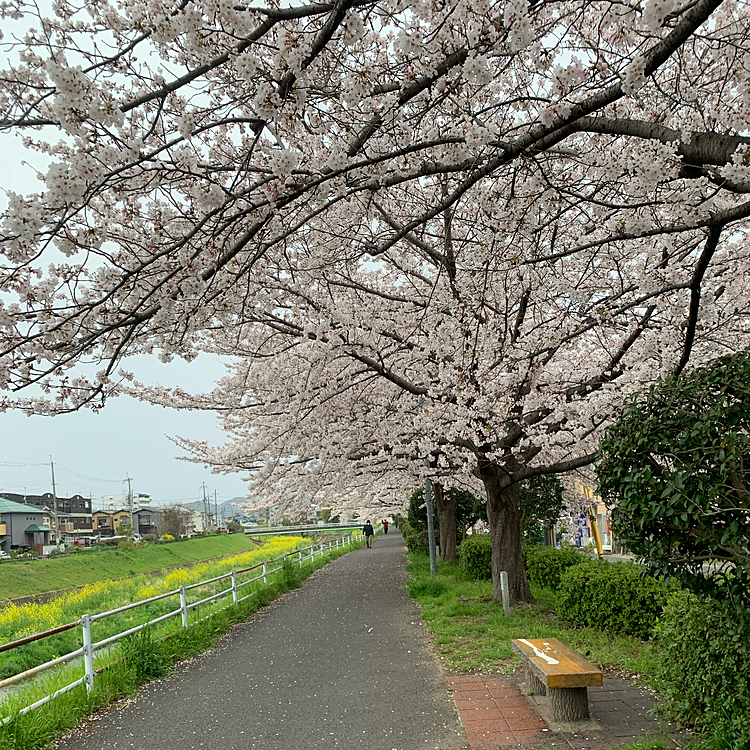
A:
703, 668
416, 540
545, 565
611, 596
475, 556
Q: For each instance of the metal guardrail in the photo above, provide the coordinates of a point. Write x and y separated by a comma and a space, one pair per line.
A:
265, 568
301, 529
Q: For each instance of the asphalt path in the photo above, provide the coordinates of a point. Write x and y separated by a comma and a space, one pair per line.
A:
343, 662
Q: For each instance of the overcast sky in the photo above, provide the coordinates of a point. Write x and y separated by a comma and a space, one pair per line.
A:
127, 438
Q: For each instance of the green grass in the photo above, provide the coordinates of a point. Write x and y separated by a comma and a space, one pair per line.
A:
472, 634
101, 564
148, 655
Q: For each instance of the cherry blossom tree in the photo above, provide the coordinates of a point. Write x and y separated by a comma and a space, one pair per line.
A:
491, 219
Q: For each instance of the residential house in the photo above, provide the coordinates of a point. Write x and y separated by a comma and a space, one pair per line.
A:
314, 514
21, 526
195, 520
147, 522
73, 513
107, 524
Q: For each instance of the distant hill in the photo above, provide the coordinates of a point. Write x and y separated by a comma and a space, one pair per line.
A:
226, 509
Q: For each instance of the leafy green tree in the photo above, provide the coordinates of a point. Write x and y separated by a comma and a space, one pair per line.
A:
540, 502
455, 511
416, 513
234, 527
676, 468
325, 514
125, 529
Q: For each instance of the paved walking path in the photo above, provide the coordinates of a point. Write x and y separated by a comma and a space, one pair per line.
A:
343, 662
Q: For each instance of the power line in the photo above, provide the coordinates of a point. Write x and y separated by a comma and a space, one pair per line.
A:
73, 472
11, 463
34, 483
79, 475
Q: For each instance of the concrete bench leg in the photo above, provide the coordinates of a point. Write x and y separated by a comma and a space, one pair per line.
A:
569, 704
534, 684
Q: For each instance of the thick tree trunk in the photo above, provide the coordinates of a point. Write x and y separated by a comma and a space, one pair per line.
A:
446, 512
505, 530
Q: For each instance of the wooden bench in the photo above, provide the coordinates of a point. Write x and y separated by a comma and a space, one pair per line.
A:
552, 669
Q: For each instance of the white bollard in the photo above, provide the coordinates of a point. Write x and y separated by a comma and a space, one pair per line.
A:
505, 592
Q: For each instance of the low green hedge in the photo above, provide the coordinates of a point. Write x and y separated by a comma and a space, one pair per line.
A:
703, 668
416, 540
475, 556
545, 565
611, 596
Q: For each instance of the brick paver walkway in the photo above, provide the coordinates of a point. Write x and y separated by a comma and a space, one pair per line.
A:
497, 714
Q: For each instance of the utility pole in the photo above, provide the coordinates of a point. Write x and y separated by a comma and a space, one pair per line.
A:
54, 504
430, 522
216, 509
206, 510
130, 500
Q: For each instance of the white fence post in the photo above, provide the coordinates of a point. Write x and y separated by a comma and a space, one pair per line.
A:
88, 653
312, 553
183, 606
322, 549
300, 558
265, 572
505, 592
234, 587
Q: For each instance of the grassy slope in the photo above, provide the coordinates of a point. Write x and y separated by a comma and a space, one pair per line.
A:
35, 576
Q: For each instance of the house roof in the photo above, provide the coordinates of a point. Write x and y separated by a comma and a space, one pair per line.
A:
8, 506
35, 527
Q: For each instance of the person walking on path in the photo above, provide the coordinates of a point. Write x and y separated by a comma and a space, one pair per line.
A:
385, 526
369, 532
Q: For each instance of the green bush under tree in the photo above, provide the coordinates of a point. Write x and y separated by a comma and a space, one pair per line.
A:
545, 565
475, 556
611, 596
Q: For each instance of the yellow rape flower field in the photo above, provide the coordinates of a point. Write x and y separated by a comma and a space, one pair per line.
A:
19, 621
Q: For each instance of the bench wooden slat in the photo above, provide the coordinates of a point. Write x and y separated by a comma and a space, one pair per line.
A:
571, 670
